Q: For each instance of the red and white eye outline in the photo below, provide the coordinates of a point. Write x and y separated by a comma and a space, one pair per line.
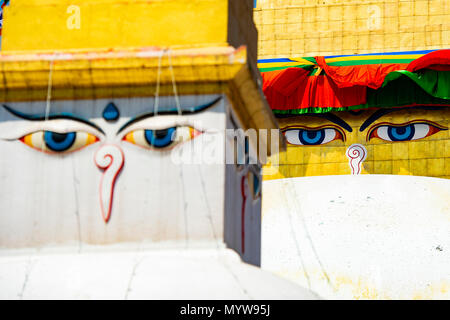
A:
307, 136
408, 131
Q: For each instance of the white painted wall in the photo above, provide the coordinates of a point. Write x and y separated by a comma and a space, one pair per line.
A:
359, 237
54, 200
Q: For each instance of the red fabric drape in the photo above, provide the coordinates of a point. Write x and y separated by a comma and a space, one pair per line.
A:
293, 88
370, 75
436, 60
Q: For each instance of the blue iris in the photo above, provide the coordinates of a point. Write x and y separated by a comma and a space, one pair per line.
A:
404, 133
160, 138
311, 137
59, 141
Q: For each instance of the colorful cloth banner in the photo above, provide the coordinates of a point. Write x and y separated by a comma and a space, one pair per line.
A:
340, 83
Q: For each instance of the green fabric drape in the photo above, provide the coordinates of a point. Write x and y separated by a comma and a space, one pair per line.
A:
401, 89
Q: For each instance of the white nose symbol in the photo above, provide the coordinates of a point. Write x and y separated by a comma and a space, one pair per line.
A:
111, 159
356, 154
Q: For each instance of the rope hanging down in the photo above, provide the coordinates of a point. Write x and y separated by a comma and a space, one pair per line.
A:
158, 82
49, 93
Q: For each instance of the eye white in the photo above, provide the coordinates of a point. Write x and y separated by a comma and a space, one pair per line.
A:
330, 135
292, 137
383, 133
182, 134
421, 130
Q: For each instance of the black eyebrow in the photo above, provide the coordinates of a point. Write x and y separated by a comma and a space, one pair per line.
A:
42, 117
328, 116
192, 110
382, 112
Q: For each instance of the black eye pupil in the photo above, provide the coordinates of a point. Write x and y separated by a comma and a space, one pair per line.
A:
311, 134
160, 134
59, 137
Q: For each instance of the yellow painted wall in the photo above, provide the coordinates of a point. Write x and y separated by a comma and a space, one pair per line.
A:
289, 28
428, 156
48, 25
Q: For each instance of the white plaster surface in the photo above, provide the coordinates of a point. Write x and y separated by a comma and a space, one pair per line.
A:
359, 237
126, 272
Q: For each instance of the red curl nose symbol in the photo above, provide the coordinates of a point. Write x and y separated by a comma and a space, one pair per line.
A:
111, 159
356, 155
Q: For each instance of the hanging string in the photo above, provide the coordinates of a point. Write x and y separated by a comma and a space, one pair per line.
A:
49, 92
158, 81
174, 84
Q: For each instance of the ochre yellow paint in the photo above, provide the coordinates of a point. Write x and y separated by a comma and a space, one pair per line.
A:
28, 140
130, 137
127, 72
90, 139
428, 156
50, 25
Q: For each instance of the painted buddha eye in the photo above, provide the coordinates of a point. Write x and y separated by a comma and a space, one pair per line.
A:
404, 132
161, 139
312, 137
54, 142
